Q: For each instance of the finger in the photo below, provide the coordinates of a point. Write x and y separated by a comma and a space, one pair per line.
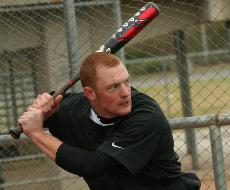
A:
38, 101
32, 109
57, 100
23, 119
48, 97
45, 97
44, 102
47, 101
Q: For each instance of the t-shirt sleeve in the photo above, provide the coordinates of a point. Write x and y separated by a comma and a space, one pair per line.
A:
137, 139
84, 163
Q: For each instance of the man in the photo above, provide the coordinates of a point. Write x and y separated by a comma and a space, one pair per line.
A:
112, 135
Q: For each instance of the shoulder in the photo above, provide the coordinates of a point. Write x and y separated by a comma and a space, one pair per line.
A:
146, 115
73, 98
143, 103
74, 102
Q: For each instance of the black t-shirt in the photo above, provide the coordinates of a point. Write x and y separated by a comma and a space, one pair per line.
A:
140, 141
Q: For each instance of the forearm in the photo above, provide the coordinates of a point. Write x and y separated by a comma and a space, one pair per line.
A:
85, 163
47, 143
32, 123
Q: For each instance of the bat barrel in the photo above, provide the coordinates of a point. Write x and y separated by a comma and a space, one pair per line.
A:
132, 27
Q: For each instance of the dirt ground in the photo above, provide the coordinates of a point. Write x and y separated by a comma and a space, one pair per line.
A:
205, 173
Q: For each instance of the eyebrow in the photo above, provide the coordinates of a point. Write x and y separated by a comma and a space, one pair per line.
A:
128, 78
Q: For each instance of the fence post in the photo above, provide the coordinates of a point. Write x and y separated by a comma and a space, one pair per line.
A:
13, 93
204, 40
71, 34
217, 157
182, 68
1, 180
227, 25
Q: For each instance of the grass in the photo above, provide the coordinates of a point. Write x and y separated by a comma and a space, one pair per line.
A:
208, 96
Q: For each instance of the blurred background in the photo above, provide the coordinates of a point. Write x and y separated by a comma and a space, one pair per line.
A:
181, 59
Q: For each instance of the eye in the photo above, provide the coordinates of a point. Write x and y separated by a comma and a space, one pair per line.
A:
127, 82
113, 87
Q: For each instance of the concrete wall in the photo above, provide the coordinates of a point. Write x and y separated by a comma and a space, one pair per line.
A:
30, 174
55, 50
216, 10
26, 2
16, 33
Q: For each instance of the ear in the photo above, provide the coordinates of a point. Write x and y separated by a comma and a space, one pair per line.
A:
89, 93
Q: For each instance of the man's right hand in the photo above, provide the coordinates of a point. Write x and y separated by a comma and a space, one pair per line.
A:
46, 104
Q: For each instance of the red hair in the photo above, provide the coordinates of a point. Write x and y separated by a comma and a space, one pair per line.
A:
89, 66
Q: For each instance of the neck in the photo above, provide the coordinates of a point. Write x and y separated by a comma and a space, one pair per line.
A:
100, 113
100, 120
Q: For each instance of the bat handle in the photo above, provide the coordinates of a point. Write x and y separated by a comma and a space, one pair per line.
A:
15, 133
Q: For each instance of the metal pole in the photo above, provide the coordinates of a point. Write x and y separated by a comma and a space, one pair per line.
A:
1, 180
204, 40
182, 68
1, 177
118, 16
34, 77
7, 106
227, 25
47, 6
13, 93
168, 95
217, 157
71, 34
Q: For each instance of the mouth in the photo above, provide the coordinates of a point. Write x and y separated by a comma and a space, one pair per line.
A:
125, 103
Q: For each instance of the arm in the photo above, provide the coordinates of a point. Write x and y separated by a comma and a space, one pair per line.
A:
85, 163
72, 159
47, 143
32, 123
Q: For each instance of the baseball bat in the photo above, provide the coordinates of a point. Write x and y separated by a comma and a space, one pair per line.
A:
118, 40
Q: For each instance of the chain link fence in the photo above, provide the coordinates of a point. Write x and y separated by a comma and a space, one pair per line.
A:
182, 60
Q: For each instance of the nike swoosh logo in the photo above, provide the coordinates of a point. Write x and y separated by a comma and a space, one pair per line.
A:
113, 144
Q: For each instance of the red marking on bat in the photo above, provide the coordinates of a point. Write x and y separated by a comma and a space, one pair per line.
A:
143, 19
149, 13
130, 33
71, 82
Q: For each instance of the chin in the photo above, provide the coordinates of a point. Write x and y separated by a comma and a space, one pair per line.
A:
125, 111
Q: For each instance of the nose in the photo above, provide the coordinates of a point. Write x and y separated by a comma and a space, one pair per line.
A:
124, 90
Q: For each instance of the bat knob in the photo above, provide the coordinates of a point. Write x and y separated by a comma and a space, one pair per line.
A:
15, 133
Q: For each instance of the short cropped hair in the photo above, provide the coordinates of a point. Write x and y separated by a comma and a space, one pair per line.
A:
88, 74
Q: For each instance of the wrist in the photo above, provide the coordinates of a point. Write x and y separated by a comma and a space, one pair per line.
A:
47, 143
35, 134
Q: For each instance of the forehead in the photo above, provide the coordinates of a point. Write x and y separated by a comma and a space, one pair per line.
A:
111, 74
